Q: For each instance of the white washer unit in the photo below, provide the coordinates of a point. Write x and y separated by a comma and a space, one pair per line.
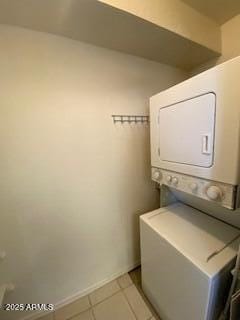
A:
186, 254
195, 135
186, 261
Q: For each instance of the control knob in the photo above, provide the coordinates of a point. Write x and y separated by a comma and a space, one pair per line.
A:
169, 179
214, 193
175, 181
156, 175
193, 186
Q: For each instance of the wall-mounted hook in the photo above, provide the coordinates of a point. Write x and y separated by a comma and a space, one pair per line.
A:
130, 118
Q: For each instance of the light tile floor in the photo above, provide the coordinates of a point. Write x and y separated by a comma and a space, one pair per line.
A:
121, 299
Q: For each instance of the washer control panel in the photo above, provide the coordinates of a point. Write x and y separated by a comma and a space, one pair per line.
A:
222, 193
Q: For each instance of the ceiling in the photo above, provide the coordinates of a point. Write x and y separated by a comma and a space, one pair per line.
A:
218, 10
103, 25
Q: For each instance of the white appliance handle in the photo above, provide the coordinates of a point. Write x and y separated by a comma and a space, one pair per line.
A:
206, 143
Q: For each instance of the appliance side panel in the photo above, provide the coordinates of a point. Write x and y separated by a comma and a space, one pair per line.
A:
220, 286
154, 107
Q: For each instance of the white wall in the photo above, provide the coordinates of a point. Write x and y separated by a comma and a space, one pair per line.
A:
72, 184
230, 39
230, 44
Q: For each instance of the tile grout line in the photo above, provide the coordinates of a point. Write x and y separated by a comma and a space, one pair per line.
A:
120, 290
129, 302
94, 317
126, 286
148, 303
113, 294
91, 306
151, 316
77, 314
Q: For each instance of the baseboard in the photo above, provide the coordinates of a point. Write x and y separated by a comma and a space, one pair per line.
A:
82, 293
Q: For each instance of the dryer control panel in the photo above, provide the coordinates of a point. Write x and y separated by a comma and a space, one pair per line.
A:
221, 193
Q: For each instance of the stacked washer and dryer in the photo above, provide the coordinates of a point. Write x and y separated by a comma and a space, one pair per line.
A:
187, 255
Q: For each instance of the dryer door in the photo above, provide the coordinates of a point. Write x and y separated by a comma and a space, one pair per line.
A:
186, 131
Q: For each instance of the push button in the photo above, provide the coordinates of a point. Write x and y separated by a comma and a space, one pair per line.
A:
175, 181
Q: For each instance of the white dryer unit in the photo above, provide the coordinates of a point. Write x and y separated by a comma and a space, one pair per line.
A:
186, 261
195, 135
